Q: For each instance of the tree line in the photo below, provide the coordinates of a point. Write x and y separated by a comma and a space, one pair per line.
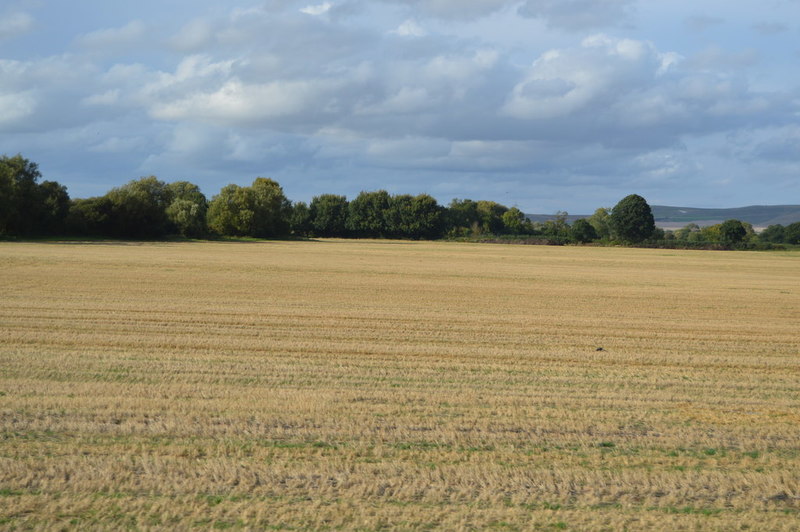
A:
151, 208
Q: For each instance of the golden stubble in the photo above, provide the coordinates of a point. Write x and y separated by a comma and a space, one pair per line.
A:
380, 384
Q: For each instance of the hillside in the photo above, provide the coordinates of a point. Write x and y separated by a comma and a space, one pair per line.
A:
674, 217
757, 215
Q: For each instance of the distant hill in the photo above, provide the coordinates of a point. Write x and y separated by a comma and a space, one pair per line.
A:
757, 215
676, 217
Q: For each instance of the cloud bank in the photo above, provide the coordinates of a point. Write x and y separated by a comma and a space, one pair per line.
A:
344, 96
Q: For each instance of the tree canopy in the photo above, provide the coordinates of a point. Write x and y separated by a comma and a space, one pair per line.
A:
631, 220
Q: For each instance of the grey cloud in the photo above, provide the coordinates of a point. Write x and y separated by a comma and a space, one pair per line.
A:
15, 23
113, 39
770, 28
578, 15
699, 23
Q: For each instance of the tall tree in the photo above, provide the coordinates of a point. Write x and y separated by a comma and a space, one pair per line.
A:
366, 214
732, 231
328, 214
600, 220
632, 219
138, 208
187, 211
21, 196
260, 210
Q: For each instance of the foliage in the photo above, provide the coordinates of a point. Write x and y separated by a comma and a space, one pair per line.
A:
328, 214
462, 217
26, 206
260, 210
631, 220
187, 212
601, 221
366, 215
89, 216
582, 231
792, 233
300, 219
774, 234
414, 217
138, 209
732, 232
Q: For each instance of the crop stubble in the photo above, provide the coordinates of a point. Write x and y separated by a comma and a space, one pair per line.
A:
370, 384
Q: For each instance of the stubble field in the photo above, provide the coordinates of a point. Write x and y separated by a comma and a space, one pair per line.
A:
395, 385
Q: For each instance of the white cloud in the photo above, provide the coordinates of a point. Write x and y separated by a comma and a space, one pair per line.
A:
193, 36
14, 107
114, 38
317, 10
109, 97
239, 103
14, 24
409, 28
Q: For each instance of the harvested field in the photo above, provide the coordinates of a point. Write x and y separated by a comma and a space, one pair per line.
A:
396, 385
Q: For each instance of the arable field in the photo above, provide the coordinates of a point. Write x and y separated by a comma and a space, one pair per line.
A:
394, 385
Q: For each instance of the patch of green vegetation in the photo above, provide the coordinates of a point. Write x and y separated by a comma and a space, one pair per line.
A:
420, 445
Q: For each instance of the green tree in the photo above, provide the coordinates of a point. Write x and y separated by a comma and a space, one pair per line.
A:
514, 221
260, 210
89, 217
229, 212
774, 234
557, 229
138, 208
366, 214
582, 231
300, 219
490, 214
20, 196
53, 208
428, 216
791, 234
732, 232
684, 232
414, 217
271, 209
461, 217
188, 209
329, 215
601, 221
632, 219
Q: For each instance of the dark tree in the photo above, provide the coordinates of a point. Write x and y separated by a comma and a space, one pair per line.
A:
366, 215
27, 207
329, 215
414, 217
462, 216
490, 214
300, 219
271, 209
732, 232
791, 233
53, 208
89, 217
774, 234
582, 231
138, 209
632, 219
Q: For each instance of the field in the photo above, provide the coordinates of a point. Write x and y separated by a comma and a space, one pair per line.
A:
394, 385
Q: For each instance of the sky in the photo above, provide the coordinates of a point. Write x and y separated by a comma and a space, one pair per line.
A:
546, 105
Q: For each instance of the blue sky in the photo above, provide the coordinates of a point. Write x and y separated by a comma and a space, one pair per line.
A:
543, 104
